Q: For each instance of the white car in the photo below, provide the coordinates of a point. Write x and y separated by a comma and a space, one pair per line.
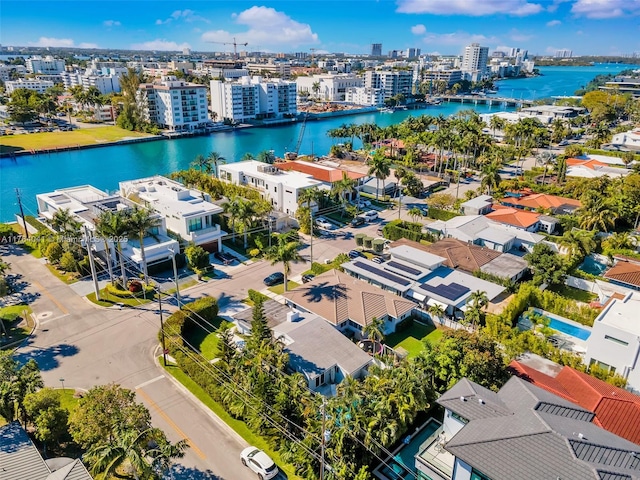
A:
371, 215
323, 223
259, 462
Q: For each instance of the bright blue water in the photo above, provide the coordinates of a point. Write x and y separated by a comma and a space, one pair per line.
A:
590, 265
406, 455
105, 167
569, 329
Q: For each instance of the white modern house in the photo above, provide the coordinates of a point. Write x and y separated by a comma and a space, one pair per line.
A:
630, 139
174, 104
614, 343
86, 203
479, 205
187, 212
331, 87
253, 98
281, 187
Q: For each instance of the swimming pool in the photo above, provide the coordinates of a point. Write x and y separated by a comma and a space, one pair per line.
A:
568, 329
402, 464
592, 266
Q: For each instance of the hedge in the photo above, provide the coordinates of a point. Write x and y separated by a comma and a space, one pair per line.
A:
256, 296
438, 214
397, 229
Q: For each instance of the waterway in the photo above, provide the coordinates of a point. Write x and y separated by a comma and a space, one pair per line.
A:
105, 167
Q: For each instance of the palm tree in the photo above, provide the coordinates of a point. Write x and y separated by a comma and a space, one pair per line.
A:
127, 451
415, 213
142, 222
436, 310
597, 214
578, 242
214, 160
164, 452
316, 88
308, 196
286, 252
248, 156
491, 177
114, 226
478, 299
380, 167
374, 330
202, 163
103, 230
232, 209
63, 222
496, 123
246, 215
342, 188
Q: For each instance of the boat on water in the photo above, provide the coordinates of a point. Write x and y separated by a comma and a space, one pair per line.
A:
402, 107
491, 92
387, 110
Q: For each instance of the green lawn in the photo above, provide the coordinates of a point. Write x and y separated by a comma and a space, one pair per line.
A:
411, 338
238, 426
204, 340
67, 399
279, 289
81, 137
574, 293
11, 317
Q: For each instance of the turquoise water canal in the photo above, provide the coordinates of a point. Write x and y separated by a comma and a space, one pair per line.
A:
105, 167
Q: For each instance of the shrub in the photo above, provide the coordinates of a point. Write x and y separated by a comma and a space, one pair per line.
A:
360, 238
54, 252
197, 257
256, 296
397, 229
205, 307
439, 214
68, 262
378, 246
135, 286
367, 242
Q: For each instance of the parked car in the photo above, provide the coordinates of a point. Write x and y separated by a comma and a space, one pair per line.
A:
377, 260
563, 143
357, 221
274, 279
224, 257
371, 215
324, 223
355, 254
259, 462
308, 277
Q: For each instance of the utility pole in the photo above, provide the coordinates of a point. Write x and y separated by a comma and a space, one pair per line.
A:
311, 237
324, 421
164, 347
24, 222
175, 275
399, 202
94, 275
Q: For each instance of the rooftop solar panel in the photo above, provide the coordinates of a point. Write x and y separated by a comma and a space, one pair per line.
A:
399, 266
452, 291
382, 273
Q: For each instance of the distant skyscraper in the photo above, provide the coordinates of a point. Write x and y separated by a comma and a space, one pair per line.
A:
186, 51
474, 61
412, 52
564, 53
376, 49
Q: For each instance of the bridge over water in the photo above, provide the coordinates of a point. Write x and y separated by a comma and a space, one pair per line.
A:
487, 100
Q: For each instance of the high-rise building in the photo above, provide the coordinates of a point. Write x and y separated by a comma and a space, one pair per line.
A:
412, 52
47, 64
474, 62
564, 53
391, 83
174, 104
376, 49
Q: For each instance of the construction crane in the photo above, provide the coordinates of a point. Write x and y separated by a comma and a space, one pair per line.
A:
293, 155
235, 46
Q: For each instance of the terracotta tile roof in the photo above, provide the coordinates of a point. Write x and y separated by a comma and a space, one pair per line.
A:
625, 272
617, 410
321, 173
541, 200
462, 255
591, 164
337, 297
515, 217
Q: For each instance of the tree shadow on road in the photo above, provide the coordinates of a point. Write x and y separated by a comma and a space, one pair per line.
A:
47, 358
179, 472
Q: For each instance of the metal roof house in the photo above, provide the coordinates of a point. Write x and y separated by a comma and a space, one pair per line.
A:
20, 459
521, 432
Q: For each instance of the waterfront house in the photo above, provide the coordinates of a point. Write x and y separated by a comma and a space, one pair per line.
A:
348, 303
521, 432
282, 188
617, 410
324, 173
86, 203
21, 460
188, 213
614, 343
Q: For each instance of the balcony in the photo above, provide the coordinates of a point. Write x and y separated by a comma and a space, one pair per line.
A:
205, 235
433, 459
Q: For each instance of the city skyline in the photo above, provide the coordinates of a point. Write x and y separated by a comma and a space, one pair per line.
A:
597, 27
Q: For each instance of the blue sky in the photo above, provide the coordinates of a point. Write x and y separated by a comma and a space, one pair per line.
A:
604, 27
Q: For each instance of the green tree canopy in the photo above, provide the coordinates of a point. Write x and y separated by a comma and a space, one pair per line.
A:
547, 266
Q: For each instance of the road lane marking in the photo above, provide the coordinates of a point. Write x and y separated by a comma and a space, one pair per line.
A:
49, 320
51, 297
149, 382
171, 423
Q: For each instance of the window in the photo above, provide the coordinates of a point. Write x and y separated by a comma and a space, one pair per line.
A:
459, 418
476, 475
194, 224
616, 340
604, 366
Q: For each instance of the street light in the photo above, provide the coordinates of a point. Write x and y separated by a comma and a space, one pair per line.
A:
175, 274
62, 382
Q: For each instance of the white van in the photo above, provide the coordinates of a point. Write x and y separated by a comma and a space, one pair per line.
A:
371, 215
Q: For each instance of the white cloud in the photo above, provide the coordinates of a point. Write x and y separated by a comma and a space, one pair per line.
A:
160, 44
518, 8
163, 22
266, 27
185, 15
554, 23
61, 43
458, 38
599, 9
419, 29
111, 23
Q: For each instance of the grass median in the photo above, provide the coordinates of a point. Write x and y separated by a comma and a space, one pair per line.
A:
237, 426
80, 137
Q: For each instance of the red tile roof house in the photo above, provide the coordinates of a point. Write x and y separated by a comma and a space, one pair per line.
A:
617, 410
323, 173
625, 272
513, 217
534, 201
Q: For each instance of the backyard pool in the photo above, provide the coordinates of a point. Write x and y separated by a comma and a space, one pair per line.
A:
402, 465
569, 329
592, 266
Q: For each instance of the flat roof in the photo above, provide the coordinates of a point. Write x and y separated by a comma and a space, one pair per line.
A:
506, 265
443, 276
479, 201
373, 271
292, 179
623, 314
415, 256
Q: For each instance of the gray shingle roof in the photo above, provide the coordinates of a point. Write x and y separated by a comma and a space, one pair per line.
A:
19, 458
533, 434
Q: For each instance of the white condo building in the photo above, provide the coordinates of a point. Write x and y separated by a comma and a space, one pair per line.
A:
474, 62
365, 96
253, 98
174, 104
104, 83
47, 65
7, 71
39, 86
390, 82
187, 212
332, 88
282, 188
